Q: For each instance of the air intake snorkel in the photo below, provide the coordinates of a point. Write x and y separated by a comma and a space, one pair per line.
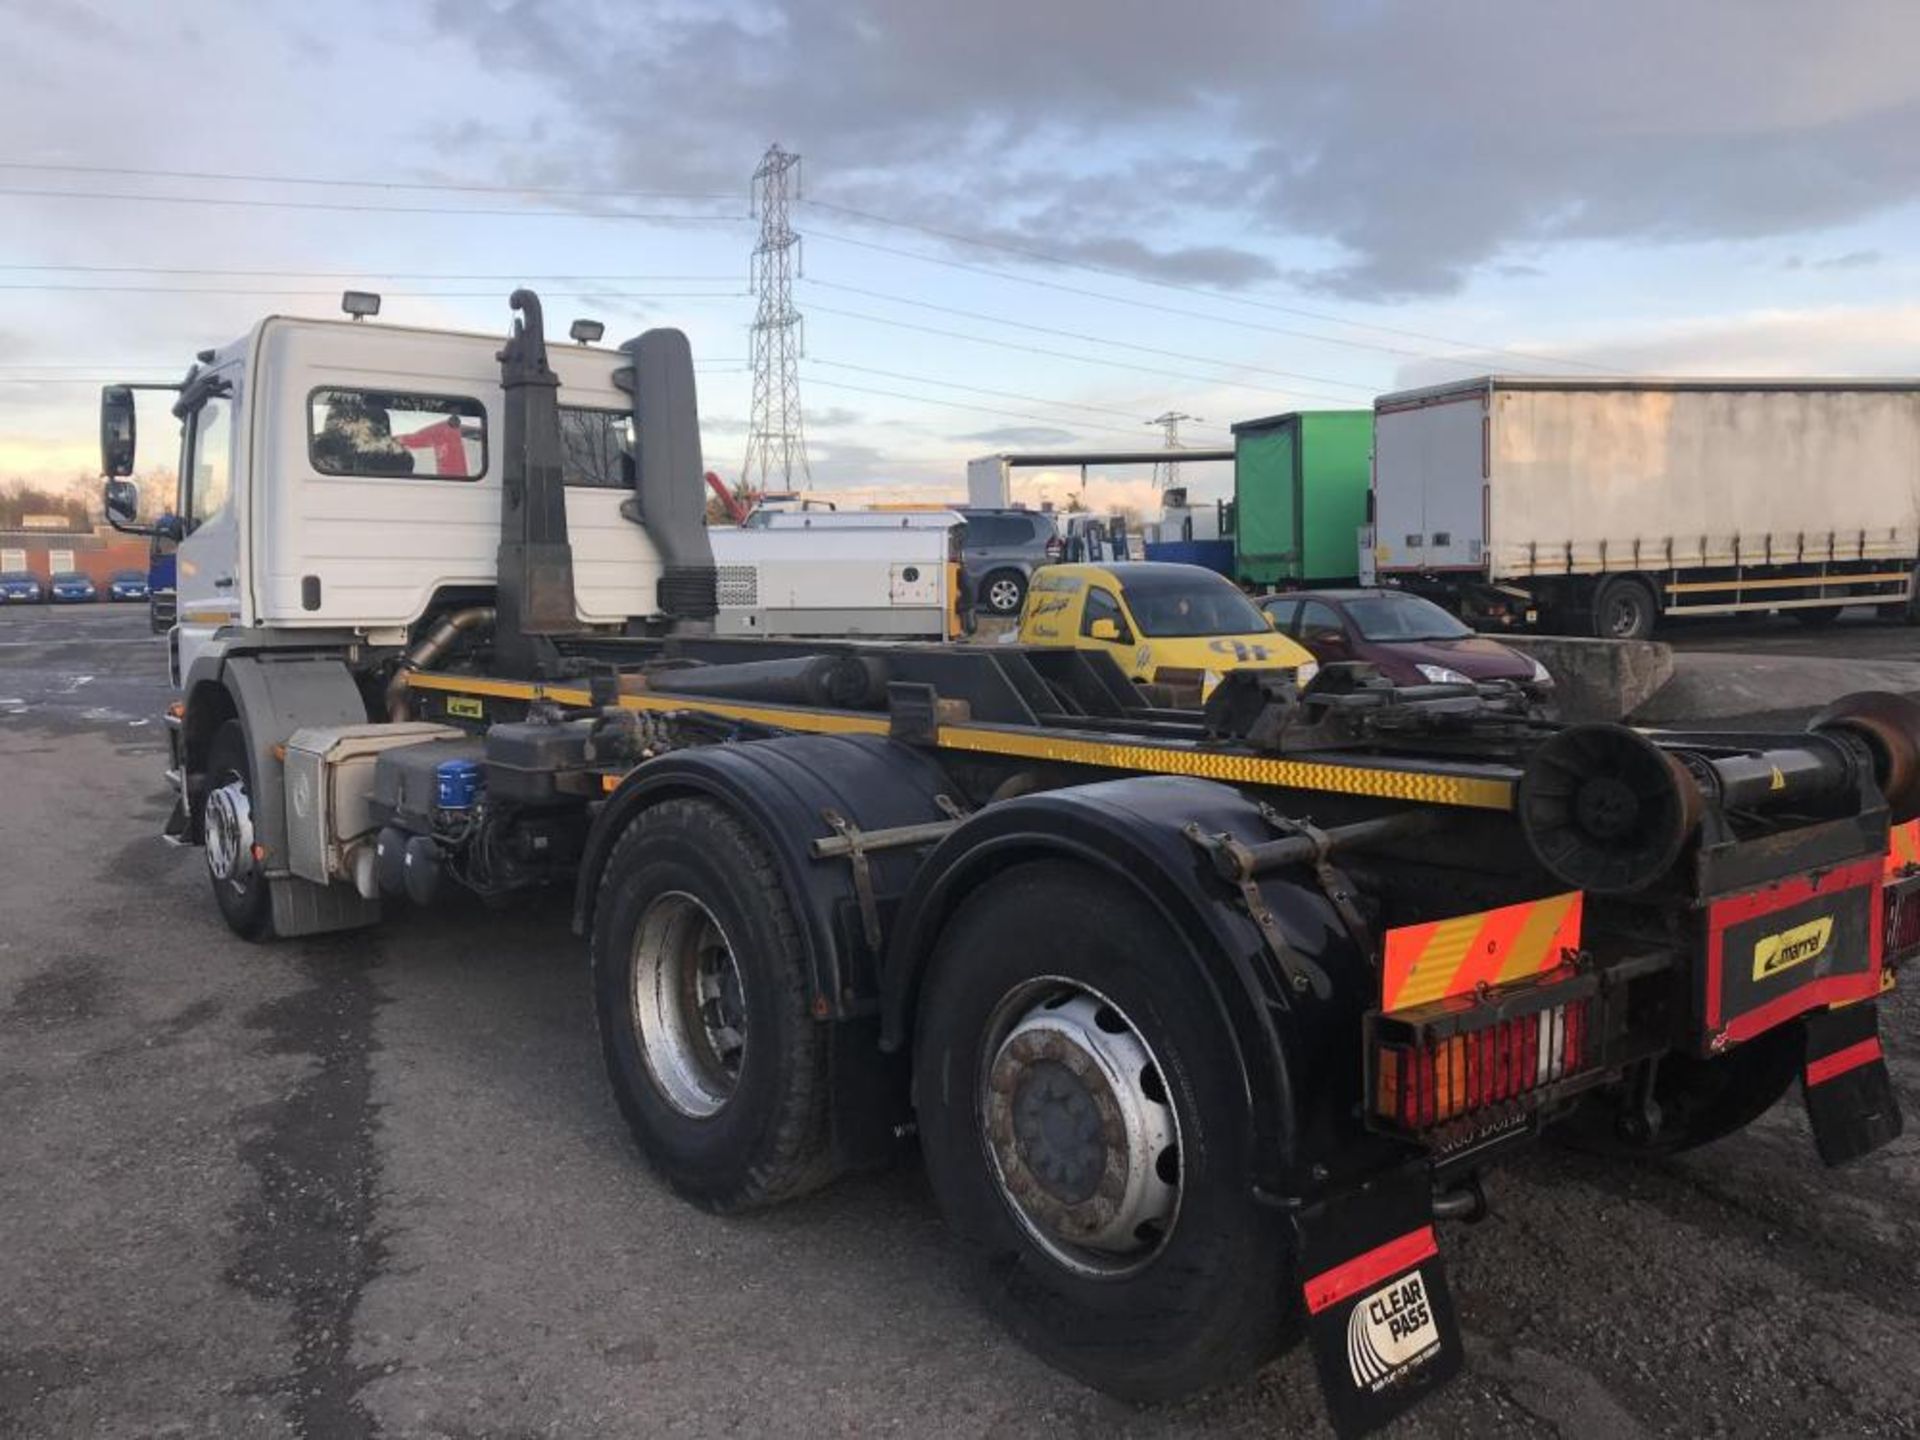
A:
670, 493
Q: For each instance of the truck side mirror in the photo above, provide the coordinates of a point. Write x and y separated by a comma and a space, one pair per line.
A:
122, 503
116, 431
1108, 630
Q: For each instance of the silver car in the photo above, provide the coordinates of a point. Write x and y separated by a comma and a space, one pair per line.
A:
1000, 550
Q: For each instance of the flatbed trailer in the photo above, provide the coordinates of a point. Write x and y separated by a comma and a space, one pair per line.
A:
1201, 1018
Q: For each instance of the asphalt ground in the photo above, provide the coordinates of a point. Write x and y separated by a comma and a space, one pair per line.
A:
375, 1185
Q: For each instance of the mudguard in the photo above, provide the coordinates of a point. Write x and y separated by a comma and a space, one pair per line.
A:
785, 789
273, 696
1298, 1051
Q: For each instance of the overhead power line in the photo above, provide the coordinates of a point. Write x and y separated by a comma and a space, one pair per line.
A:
345, 207
389, 294
982, 390
56, 167
207, 271
1092, 339
1230, 297
1082, 358
962, 405
1000, 272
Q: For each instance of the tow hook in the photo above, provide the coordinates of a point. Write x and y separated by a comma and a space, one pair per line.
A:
1466, 1201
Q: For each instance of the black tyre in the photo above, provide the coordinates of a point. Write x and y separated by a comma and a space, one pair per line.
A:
700, 985
1624, 609
226, 827
1817, 617
1699, 1101
1063, 1059
1002, 592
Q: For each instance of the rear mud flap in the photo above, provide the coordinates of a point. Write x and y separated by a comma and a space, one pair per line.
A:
1850, 1098
1379, 1315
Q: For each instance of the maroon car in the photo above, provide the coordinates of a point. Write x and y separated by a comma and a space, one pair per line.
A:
1413, 641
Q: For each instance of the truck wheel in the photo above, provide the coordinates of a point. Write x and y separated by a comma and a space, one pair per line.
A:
1003, 592
700, 985
1085, 1132
1817, 617
1624, 610
226, 822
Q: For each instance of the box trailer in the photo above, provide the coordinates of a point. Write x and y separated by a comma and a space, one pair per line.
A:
1300, 496
1610, 503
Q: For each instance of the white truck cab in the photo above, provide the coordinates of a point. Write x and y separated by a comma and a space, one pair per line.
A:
337, 476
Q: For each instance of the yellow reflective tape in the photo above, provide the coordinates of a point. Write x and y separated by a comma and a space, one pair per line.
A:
1419, 786
1422, 786
1439, 961
1692, 587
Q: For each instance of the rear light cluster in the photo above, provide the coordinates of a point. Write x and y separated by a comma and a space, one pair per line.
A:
1056, 547
1435, 1079
1901, 936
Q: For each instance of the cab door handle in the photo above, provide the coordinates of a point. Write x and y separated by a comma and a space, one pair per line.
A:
223, 582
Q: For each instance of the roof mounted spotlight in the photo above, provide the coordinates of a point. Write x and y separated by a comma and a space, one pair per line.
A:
586, 332
360, 303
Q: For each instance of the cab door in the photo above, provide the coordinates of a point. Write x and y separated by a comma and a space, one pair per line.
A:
208, 580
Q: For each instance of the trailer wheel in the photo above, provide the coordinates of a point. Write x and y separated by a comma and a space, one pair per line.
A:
1624, 609
1817, 617
226, 823
1699, 1101
1085, 1132
1003, 592
700, 987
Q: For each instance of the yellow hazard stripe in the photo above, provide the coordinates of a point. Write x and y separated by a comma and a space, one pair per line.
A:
1903, 846
1458, 955
1693, 587
1425, 787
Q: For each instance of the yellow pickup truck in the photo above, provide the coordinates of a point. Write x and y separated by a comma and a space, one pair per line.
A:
1175, 625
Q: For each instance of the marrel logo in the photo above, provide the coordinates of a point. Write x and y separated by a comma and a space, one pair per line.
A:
1390, 1331
1774, 953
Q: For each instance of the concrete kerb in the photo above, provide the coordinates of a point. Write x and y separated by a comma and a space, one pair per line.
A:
1599, 679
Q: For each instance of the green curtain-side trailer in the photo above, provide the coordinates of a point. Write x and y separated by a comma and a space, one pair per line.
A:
1300, 495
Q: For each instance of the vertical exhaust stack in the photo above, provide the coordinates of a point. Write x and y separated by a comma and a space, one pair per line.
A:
670, 492
535, 595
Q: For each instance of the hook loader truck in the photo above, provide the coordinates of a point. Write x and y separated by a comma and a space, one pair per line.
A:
1206, 1021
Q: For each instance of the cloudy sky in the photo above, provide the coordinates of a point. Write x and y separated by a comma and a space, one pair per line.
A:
1026, 225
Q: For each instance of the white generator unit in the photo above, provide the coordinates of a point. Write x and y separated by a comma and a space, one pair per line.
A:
895, 580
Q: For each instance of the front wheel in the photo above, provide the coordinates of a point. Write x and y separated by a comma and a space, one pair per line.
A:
226, 827
1085, 1133
700, 986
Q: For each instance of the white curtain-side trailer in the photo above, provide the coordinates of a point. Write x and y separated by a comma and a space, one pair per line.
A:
1611, 503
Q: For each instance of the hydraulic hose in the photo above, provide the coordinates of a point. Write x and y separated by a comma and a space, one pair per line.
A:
429, 650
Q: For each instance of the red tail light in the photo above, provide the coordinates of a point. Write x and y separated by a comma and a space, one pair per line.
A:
1056, 547
1436, 1079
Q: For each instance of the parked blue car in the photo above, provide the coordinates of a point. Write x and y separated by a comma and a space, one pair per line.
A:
127, 585
70, 587
20, 587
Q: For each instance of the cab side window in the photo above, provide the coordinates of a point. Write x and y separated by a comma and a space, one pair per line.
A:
596, 448
1284, 613
387, 433
209, 483
1101, 605
1320, 621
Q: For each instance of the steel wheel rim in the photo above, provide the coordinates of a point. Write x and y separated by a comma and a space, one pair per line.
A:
689, 1010
228, 833
1623, 616
1096, 1186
